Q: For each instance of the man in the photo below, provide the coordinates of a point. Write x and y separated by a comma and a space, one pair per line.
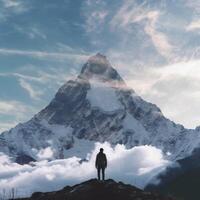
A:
101, 164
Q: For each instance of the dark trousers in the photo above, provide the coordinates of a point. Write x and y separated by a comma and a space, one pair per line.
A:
99, 170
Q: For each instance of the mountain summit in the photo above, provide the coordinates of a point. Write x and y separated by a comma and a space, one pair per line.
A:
99, 66
97, 106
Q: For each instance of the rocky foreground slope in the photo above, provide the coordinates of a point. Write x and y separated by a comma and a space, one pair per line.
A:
95, 190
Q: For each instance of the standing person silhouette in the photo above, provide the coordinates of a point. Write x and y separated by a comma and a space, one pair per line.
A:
101, 164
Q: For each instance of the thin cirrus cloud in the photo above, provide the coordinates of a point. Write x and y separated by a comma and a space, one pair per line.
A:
31, 32
37, 84
59, 56
12, 7
139, 14
96, 20
35, 94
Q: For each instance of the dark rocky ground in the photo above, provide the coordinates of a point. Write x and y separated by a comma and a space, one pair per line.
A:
182, 182
95, 190
185, 186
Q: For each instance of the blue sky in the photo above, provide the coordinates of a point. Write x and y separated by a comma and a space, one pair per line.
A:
153, 44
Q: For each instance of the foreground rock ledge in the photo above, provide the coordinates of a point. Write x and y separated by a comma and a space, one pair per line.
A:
95, 190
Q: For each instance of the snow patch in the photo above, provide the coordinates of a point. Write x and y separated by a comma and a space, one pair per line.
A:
130, 123
102, 95
59, 130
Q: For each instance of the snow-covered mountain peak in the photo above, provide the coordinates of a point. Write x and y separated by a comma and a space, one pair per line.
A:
97, 106
99, 67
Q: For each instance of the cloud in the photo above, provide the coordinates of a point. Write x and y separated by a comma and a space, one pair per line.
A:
40, 85
30, 83
7, 125
32, 32
54, 175
59, 56
159, 39
174, 88
95, 13
8, 107
34, 93
194, 5
15, 110
95, 20
12, 7
16, 5
131, 14
193, 26
46, 153
38, 82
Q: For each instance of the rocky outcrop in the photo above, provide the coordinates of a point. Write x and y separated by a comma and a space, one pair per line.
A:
95, 190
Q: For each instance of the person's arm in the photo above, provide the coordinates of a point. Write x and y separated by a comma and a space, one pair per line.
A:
96, 163
105, 161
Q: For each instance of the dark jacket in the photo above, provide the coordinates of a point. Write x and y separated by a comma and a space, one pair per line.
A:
101, 160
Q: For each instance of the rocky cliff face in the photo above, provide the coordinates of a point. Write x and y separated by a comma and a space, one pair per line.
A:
94, 189
97, 106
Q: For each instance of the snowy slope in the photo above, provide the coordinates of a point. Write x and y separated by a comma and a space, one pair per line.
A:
96, 106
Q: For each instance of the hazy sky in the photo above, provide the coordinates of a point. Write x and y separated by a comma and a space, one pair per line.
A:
153, 44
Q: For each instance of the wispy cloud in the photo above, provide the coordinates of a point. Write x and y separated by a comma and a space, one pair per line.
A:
4, 126
95, 20
131, 13
17, 6
10, 107
194, 5
95, 13
34, 93
12, 7
59, 56
31, 32
38, 82
193, 26
16, 111
159, 39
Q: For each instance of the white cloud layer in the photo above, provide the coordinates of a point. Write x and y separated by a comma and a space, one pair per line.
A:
174, 88
46, 153
123, 165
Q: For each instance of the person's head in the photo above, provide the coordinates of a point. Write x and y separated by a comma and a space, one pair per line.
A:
101, 150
